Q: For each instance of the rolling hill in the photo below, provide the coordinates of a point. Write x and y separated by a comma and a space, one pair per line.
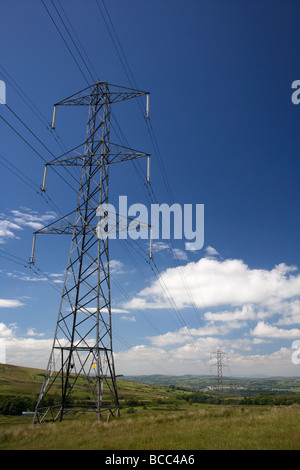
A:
163, 416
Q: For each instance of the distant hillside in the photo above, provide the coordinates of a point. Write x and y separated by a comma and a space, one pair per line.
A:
193, 382
238, 385
26, 381
160, 390
19, 380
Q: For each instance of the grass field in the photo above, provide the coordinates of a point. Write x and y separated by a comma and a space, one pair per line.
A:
163, 420
194, 428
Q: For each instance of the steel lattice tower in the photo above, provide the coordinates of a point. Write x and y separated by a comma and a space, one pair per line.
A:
219, 375
81, 358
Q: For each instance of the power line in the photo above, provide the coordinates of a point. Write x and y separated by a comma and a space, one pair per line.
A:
38, 153
28, 101
136, 307
25, 264
74, 43
152, 137
135, 164
178, 313
156, 150
23, 95
46, 278
138, 353
78, 39
39, 140
159, 277
65, 42
112, 38
31, 183
132, 83
83, 75
28, 181
151, 132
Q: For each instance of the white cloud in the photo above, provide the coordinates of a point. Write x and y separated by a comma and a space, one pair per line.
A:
188, 335
57, 278
127, 318
160, 246
261, 341
290, 312
25, 277
119, 310
245, 313
215, 283
179, 254
7, 230
266, 330
248, 295
238, 297
104, 310
24, 351
162, 356
30, 218
142, 359
33, 332
116, 267
28, 352
277, 363
210, 251
8, 303
19, 219
170, 338
185, 359
5, 331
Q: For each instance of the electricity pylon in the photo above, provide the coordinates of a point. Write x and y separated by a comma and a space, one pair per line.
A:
80, 375
219, 364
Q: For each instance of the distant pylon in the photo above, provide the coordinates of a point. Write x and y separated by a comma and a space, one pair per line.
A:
219, 364
80, 376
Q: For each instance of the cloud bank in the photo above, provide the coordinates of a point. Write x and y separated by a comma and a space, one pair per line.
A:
253, 314
214, 283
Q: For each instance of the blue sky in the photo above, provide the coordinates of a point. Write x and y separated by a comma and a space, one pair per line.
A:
219, 76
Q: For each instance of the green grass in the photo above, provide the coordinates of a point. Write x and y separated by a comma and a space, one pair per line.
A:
163, 421
16, 380
193, 428
19, 380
